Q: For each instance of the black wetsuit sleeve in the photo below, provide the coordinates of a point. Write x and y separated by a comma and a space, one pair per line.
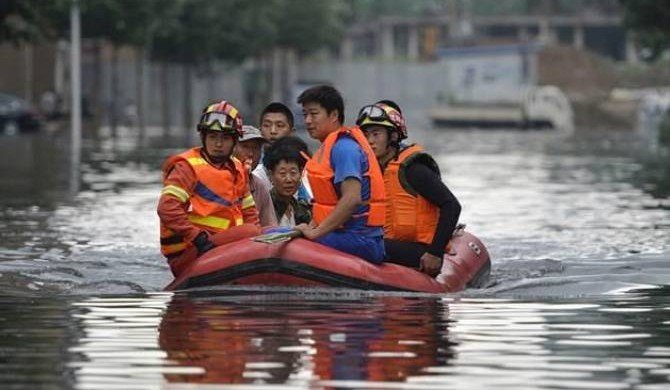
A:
428, 184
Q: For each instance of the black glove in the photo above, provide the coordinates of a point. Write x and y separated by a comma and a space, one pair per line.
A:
202, 243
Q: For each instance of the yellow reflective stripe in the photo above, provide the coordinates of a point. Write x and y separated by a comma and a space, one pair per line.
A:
215, 222
248, 201
233, 112
175, 191
194, 161
173, 248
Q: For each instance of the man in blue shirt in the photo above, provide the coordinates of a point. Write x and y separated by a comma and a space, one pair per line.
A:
346, 181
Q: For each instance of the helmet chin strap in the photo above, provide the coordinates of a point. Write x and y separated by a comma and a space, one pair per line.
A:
393, 143
216, 160
392, 147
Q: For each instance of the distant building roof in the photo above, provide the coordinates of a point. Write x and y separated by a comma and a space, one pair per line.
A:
488, 50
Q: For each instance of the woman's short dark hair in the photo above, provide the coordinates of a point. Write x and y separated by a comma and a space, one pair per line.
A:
286, 149
325, 95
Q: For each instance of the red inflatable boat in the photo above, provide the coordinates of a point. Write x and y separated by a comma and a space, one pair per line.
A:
303, 263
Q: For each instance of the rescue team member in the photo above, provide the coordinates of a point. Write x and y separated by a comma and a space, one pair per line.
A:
248, 150
421, 212
206, 199
277, 122
347, 184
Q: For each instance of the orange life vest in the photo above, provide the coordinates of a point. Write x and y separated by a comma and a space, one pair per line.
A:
320, 175
409, 216
216, 202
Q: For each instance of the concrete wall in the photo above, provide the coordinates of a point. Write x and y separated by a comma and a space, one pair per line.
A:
219, 84
463, 77
26, 71
414, 86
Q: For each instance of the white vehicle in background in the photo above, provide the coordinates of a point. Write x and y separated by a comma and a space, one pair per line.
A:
548, 105
536, 108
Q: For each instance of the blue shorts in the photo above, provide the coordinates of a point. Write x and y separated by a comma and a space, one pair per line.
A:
368, 248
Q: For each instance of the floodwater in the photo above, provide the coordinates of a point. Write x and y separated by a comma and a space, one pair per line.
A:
578, 228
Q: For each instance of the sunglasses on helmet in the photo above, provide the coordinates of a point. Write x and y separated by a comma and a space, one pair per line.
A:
218, 121
375, 112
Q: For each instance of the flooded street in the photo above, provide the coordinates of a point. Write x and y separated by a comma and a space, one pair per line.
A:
578, 229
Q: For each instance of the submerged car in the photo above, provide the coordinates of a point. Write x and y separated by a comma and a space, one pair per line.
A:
17, 116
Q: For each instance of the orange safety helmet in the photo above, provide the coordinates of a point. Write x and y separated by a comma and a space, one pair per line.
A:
383, 115
221, 116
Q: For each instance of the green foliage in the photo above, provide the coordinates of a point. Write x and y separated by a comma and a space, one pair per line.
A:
649, 19
186, 31
198, 31
121, 22
370, 10
27, 20
306, 25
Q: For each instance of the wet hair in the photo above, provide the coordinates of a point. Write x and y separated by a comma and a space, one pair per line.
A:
280, 108
390, 103
325, 95
286, 149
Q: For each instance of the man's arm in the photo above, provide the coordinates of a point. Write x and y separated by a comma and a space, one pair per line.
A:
176, 192
429, 185
346, 206
348, 160
249, 211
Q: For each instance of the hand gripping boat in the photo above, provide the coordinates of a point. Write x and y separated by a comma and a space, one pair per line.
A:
303, 263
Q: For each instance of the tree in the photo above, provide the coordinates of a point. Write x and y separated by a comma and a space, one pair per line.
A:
649, 20
306, 25
119, 22
191, 33
293, 28
26, 20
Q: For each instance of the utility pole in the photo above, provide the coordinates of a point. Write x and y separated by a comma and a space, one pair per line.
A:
75, 84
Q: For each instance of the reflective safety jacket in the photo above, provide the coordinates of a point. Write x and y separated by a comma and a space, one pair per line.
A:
409, 216
321, 176
216, 201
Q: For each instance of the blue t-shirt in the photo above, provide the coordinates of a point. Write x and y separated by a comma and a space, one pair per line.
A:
349, 161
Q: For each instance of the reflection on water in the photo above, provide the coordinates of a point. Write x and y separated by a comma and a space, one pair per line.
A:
237, 340
35, 334
34, 171
351, 340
